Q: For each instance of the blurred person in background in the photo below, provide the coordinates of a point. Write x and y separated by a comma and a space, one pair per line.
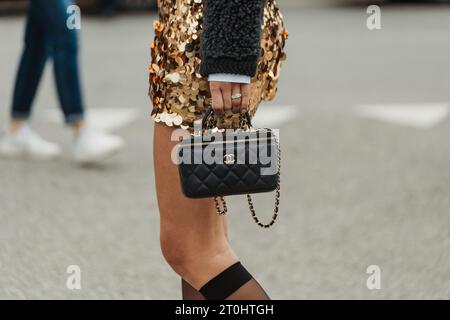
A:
47, 34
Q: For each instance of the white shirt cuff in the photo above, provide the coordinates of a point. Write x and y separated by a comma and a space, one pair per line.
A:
229, 77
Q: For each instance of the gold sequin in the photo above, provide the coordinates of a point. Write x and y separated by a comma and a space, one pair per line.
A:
180, 95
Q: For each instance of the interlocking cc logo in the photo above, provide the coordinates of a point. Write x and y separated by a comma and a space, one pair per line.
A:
229, 159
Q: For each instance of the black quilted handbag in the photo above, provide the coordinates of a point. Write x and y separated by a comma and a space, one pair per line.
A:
217, 163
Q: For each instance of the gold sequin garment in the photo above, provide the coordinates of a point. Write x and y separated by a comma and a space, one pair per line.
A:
180, 95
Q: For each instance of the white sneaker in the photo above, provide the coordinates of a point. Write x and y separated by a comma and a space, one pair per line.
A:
92, 146
27, 143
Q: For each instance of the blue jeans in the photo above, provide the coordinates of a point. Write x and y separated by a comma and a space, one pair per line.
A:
47, 35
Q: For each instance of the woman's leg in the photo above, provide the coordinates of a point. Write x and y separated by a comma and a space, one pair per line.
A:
193, 236
188, 292
30, 69
64, 49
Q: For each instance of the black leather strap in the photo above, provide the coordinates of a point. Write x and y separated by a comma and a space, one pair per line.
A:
226, 283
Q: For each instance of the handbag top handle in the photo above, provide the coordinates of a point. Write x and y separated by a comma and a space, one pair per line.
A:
210, 111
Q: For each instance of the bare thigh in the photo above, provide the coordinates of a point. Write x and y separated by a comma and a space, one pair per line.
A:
191, 228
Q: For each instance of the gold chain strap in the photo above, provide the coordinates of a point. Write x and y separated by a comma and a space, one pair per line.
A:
221, 212
277, 195
250, 200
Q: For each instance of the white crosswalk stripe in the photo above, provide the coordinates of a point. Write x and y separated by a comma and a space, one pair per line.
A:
418, 115
107, 119
273, 116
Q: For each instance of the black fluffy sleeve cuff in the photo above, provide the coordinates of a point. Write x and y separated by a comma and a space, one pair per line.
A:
231, 37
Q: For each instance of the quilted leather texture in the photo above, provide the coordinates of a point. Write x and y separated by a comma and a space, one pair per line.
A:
201, 180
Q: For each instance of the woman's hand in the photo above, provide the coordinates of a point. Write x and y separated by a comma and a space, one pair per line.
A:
221, 93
